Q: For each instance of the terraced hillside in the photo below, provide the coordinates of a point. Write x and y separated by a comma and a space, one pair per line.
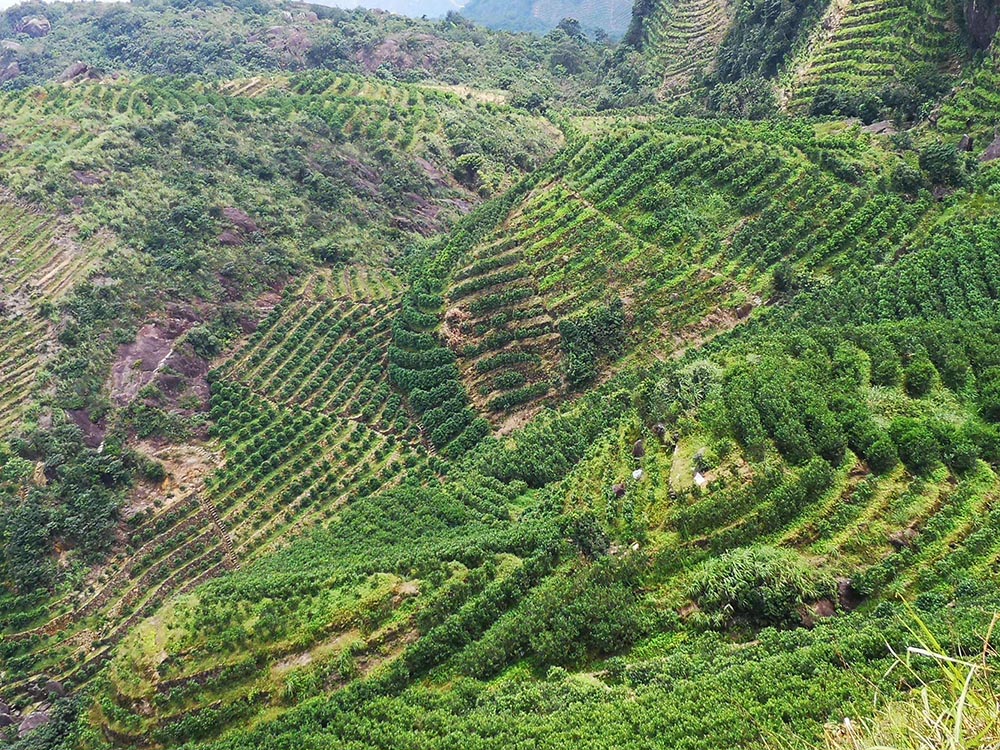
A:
223, 192
974, 107
683, 36
42, 258
392, 414
864, 48
672, 507
281, 470
651, 239
325, 348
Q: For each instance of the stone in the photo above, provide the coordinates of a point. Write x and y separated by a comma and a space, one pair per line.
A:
882, 127
982, 21
992, 151
902, 539
55, 689
240, 219
36, 26
848, 597
618, 490
230, 238
9, 72
820, 610
639, 449
965, 144
33, 721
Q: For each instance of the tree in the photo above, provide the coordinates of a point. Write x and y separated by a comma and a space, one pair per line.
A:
882, 455
989, 397
918, 447
943, 164
919, 376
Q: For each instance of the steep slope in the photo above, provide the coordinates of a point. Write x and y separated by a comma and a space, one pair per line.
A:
393, 415
842, 438
863, 54
43, 258
320, 176
651, 238
683, 38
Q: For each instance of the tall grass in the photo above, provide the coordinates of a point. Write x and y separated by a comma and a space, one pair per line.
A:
955, 708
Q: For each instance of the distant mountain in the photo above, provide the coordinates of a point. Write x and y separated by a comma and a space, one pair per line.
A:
612, 16
412, 8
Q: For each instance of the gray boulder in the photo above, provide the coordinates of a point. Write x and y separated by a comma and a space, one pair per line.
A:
33, 721
36, 27
992, 151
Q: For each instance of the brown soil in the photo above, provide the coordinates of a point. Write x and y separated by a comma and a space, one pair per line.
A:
186, 465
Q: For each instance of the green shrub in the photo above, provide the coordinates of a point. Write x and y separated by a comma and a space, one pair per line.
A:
918, 447
942, 163
758, 585
882, 456
919, 376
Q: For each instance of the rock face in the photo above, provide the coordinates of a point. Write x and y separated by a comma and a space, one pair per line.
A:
78, 71
882, 127
36, 26
848, 597
982, 20
55, 689
240, 219
33, 721
9, 72
992, 151
965, 144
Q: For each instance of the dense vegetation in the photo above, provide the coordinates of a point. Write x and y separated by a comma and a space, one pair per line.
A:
373, 382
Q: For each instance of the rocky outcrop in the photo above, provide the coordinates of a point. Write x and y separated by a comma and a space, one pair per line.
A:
982, 20
9, 72
35, 27
992, 151
33, 721
79, 71
242, 226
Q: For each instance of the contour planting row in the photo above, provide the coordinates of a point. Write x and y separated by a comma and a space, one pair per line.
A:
167, 553
289, 468
326, 355
286, 470
658, 215
871, 44
40, 261
684, 35
975, 106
